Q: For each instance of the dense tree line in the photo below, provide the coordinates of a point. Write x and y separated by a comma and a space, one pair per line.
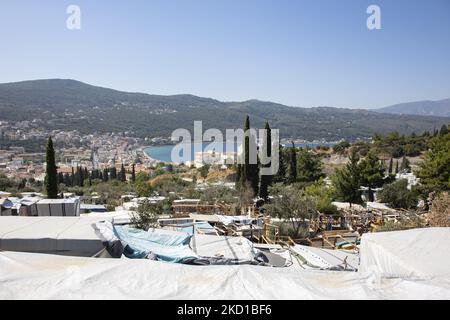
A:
248, 169
296, 165
81, 176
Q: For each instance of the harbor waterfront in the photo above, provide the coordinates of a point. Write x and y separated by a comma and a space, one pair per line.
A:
163, 153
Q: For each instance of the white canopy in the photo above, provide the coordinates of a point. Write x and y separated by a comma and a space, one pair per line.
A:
420, 253
410, 264
37, 276
238, 248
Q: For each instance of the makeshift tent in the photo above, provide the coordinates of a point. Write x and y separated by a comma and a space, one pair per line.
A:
201, 227
234, 219
27, 206
55, 235
5, 207
87, 208
420, 253
117, 217
59, 207
37, 276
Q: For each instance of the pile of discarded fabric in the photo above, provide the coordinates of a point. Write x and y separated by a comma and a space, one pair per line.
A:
177, 247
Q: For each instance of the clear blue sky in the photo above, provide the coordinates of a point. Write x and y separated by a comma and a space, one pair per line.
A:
300, 53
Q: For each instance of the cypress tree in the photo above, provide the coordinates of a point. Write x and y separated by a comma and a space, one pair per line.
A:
266, 180
81, 172
444, 130
281, 175
405, 165
105, 175
238, 175
93, 174
113, 173
243, 177
51, 179
391, 166
72, 178
396, 166
67, 180
248, 172
60, 178
252, 169
292, 164
133, 173
79, 177
122, 174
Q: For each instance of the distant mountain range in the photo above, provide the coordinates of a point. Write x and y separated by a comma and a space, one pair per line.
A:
439, 108
70, 104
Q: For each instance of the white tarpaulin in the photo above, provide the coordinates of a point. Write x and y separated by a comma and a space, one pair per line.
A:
238, 248
234, 219
55, 235
410, 264
326, 258
38, 276
423, 253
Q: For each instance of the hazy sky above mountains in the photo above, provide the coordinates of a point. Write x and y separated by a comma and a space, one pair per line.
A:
300, 53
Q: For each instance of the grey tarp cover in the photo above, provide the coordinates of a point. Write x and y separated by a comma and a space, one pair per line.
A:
55, 235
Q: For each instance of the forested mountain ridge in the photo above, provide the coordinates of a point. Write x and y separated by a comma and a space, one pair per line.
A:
422, 108
70, 104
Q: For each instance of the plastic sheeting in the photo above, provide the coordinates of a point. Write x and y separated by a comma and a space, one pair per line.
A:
193, 227
36, 276
327, 259
177, 247
117, 217
234, 219
166, 245
422, 253
235, 248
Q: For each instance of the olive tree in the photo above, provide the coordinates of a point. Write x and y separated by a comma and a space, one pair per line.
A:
291, 204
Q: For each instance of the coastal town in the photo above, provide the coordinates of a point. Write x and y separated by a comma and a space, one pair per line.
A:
22, 150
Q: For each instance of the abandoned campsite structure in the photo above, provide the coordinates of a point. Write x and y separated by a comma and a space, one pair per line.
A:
209, 253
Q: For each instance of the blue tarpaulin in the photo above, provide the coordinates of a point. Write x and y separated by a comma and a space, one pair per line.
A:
166, 245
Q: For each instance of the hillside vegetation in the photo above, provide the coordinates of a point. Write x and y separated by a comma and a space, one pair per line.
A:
69, 104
